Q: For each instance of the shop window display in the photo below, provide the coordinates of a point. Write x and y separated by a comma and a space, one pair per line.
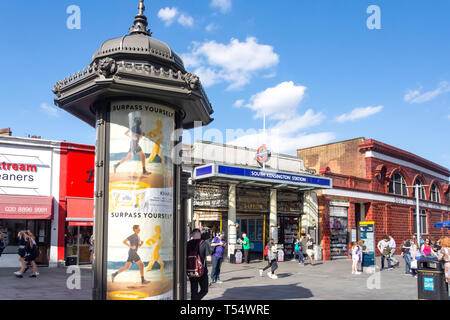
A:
338, 231
78, 243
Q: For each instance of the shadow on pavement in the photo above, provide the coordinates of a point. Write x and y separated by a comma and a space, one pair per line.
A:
271, 292
238, 278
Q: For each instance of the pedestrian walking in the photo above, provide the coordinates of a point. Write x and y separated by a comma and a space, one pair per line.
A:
362, 249
437, 246
218, 245
273, 261
22, 239
198, 253
406, 254
31, 253
383, 247
393, 247
310, 248
416, 255
444, 255
299, 252
355, 257
246, 247
2, 243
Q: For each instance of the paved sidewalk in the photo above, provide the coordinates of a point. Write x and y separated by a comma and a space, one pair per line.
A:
51, 284
329, 280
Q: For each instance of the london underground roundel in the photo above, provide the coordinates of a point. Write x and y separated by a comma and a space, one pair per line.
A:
262, 154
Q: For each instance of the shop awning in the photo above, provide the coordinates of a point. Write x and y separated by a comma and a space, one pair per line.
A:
80, 211
26, 207
260, 178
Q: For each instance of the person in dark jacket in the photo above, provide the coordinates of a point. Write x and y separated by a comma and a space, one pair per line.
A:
205, 252
22, 240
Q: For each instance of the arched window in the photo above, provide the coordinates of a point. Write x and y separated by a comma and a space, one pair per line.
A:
434, 193
397, 185
421, 190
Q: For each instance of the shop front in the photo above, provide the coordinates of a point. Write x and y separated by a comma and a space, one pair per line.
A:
339, 232
29, 174
79, 229
20, 213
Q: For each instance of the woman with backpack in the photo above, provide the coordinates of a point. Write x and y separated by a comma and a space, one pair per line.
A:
32, 253
273, 257
22, 240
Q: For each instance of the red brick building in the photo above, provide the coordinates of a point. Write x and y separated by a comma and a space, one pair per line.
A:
370, 182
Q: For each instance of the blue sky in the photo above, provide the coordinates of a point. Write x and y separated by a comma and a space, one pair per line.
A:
314, 67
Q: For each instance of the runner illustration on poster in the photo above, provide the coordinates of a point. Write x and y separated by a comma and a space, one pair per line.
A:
134, 243
135, 136
155, 256
140, 199
157, 136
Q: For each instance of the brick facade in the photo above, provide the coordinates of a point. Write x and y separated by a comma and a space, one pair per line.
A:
367, 189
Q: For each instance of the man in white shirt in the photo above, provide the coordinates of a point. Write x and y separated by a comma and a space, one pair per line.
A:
392, 244
383, 247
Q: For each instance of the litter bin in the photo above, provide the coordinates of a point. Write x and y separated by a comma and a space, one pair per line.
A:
431, 283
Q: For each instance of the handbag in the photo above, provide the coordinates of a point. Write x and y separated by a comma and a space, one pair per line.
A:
414, 264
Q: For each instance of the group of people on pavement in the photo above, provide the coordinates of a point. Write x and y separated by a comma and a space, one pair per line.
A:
304, 245
28, 253
387, 247
357, 251
413, 251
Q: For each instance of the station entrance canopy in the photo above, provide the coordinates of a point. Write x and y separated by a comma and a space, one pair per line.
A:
260, 178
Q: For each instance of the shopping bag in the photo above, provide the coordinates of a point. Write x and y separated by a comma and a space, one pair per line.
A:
414, 264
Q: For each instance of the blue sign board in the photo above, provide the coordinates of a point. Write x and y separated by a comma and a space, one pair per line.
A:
279, 177
367, 233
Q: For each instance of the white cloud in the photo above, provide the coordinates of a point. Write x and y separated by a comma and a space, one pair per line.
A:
211, 27
415, 96
234, 63
286, 129
51, 111
359, 113
279, 102
239, 103
186, 21
281, 143
448, 117
168, 15
223, 5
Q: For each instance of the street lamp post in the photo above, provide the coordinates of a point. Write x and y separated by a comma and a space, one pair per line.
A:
416, 190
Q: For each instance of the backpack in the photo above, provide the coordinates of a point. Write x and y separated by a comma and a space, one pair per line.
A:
194, 266
266, 250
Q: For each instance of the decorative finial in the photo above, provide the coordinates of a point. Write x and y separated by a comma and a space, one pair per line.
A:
140, 21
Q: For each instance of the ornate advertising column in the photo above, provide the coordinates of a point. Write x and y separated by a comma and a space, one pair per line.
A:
138, 95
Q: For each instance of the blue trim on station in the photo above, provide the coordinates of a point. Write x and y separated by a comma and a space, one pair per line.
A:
224, 171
